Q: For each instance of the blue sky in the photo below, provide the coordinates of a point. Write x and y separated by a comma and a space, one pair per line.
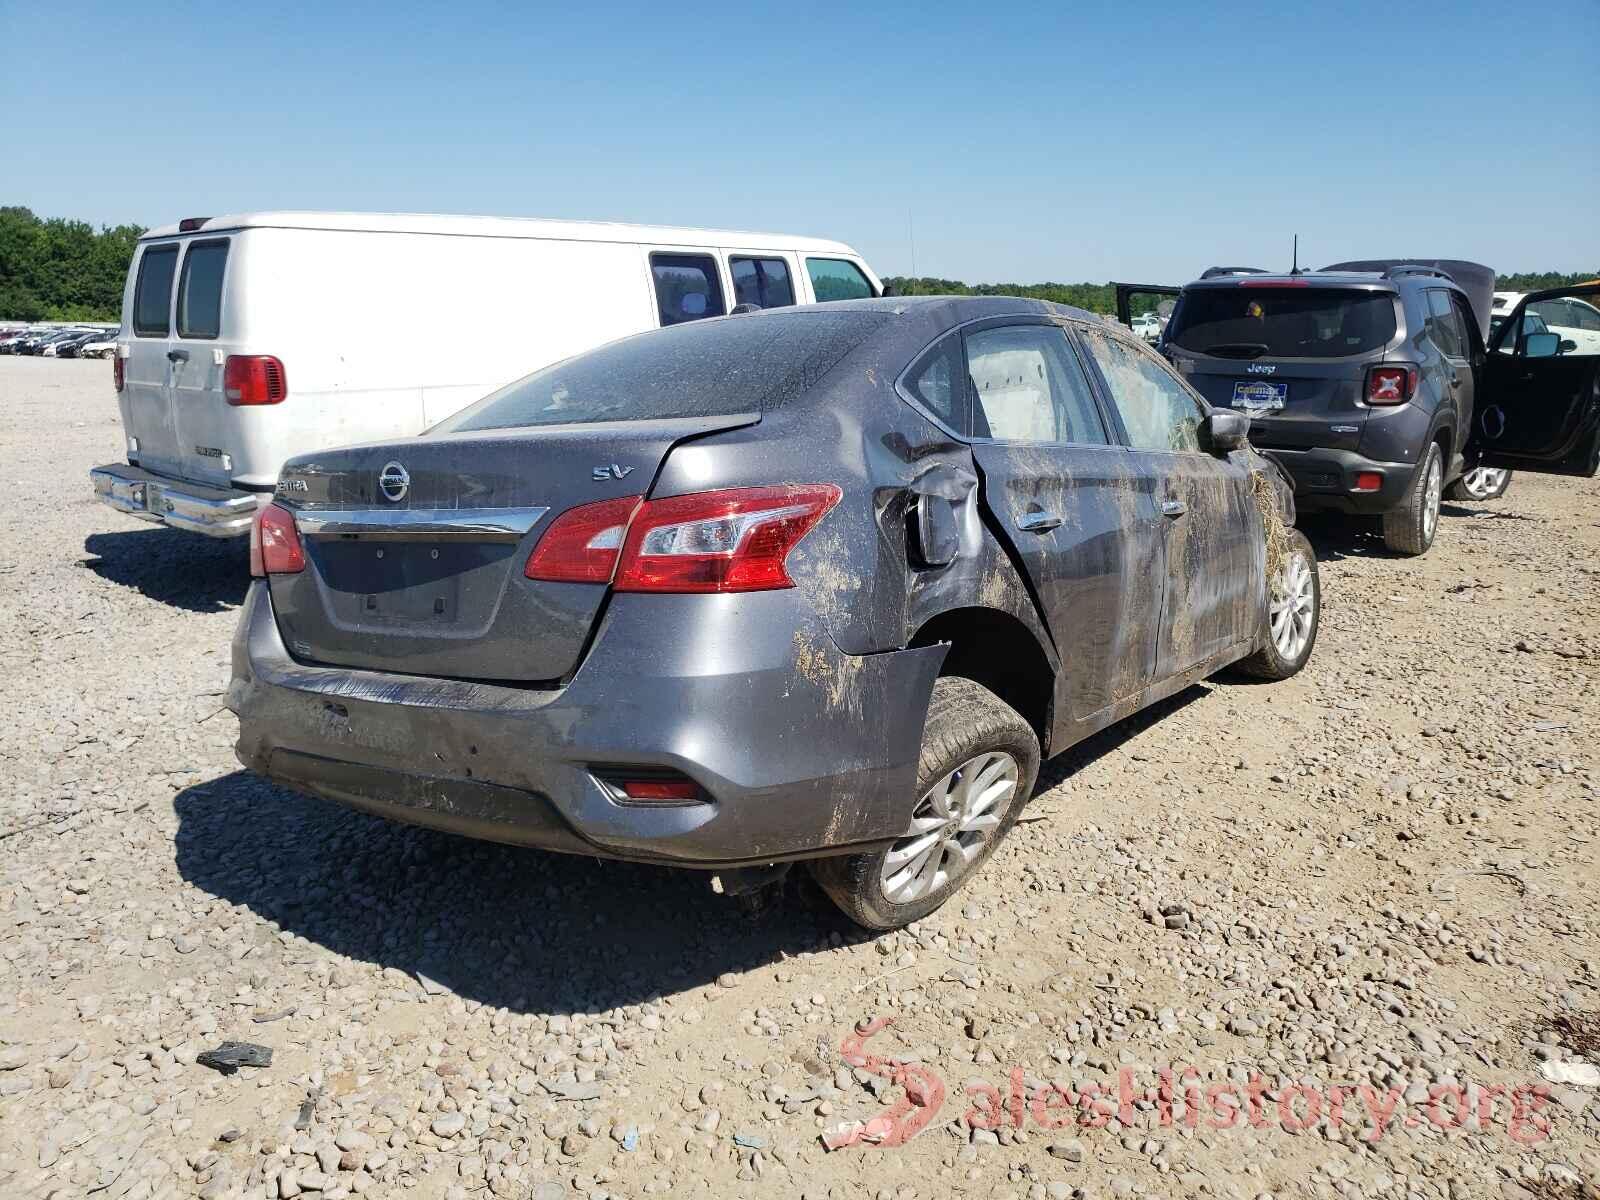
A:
1063, 142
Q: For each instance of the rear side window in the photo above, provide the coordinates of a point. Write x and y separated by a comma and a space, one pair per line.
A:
1282, 322
763, 282
1444, 326
938, 382
200, 290
687, 287
1028, 387
152, 293
1157, 411
837, 279
699, 369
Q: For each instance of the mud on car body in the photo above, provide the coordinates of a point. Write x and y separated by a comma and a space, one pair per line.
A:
818, 584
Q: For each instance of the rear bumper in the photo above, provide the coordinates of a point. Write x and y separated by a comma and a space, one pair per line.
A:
216, 512
799, 749
1325, 480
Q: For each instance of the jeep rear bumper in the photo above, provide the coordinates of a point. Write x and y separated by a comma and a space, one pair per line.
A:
1325, 480
197, 507
798, 749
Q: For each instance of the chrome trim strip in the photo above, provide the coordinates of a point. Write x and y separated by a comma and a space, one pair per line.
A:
509, 524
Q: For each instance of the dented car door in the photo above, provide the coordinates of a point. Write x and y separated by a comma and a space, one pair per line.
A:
1059, 487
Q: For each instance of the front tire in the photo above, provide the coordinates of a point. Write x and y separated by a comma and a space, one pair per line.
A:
1480, 484
1410, 528
1294, 612
978, 765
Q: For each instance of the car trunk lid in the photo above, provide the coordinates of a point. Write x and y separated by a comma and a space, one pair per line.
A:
415, 550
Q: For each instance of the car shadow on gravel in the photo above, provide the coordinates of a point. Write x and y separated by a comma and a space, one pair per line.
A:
1336, 537
505, 926
186, 570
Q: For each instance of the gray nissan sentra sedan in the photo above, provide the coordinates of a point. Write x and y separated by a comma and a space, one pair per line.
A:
810, 584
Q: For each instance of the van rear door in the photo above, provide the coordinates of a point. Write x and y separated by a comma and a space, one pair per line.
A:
207, 425
146, 399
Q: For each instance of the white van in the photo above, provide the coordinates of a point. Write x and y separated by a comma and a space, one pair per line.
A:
248, 339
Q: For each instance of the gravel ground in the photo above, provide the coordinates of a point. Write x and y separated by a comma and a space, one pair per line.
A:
1381, 873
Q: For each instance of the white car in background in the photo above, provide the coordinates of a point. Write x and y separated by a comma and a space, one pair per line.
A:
100, 348
1148, 326
1577, 321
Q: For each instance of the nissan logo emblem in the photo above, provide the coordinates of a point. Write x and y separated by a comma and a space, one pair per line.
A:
394, 482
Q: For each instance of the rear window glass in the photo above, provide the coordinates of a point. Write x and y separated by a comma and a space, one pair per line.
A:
152, 294
1282, 322
744, 364
200, 290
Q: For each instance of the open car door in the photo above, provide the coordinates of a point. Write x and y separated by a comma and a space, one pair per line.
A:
1538, 401
1150, 303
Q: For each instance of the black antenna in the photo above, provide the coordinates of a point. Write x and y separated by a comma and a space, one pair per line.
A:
1295, 269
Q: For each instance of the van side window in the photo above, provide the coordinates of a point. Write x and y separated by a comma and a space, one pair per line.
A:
837, 279
761, 281
687, 287
200, 290
152, 294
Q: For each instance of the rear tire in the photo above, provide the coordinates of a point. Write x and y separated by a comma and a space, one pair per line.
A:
1480, 484
1410, 528
971, 737
1294, 611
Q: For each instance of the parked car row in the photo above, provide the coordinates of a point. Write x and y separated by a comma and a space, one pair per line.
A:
56, 341
819, 581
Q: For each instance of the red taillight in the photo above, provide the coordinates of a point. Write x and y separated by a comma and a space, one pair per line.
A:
254, 379
190, 224
727, 541
275, 547
1368, 481
1274, 283
583, 544
119, 372
1391, 385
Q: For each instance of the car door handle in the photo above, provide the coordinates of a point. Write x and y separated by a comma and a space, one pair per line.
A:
1038, 521
1173, 508
177, 356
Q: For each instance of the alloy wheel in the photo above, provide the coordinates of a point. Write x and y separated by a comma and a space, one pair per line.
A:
1433, 487
950, 826
1293, 607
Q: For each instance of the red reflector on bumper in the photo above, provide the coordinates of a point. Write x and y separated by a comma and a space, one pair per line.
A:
677, 790
1368, 481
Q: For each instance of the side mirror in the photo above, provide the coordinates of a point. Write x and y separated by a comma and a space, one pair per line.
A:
1227, 431
1541, 345
890, 290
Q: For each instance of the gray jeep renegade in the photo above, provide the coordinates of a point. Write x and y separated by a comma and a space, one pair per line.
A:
813, 584
1371, 384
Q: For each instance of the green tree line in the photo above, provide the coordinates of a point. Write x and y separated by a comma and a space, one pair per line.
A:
53, 269
1102, 297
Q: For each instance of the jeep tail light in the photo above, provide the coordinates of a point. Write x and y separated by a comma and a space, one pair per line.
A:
727, 541
1368, 481
583, 544
254, 379
1391, 385
734, 540
119, 372
275, 547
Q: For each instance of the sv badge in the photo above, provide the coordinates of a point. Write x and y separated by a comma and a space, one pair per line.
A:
600, 474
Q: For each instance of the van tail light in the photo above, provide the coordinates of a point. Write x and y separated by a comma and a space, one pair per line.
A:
1391, 385
254, 379
275, 547
736, 540
583, 544
119, 372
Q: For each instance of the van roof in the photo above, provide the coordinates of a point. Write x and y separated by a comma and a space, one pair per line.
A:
503, 227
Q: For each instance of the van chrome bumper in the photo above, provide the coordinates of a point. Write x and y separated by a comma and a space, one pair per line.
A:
215, 512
